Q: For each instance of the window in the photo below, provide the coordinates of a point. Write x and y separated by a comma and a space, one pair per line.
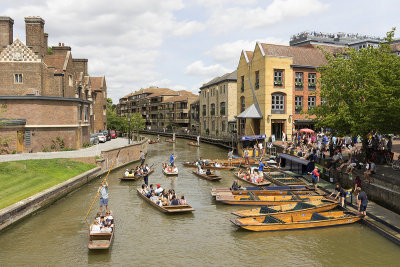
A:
79, 113
213, 125
298, 103
278, 104
242, 126
104, 110
220, 90
212, 112
223, 126
242, 84
224, 88
298, 81
204, 110
312, 82
278, 78
242, 104
18, 78
222, 108
205, 125
257, 85
86, 113
311, 102
70, 81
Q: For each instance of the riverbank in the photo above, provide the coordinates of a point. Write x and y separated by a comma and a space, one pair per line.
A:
22, 179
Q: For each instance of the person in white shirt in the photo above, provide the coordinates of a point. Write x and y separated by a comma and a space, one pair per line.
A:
159, 189
95, 228
126, 172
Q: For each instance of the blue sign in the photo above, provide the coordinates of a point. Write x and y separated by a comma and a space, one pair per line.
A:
252, 137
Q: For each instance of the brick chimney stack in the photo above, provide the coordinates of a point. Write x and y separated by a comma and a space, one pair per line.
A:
6, 32
35, 38
81, 65
45, 44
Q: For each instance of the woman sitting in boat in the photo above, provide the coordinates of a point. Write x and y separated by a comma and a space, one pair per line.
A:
126, 173
155, 199
145, 190
208, 172
199, 170
151, 189
174, 201
218, 165
95, 228
175, 169
109, 220
182, 201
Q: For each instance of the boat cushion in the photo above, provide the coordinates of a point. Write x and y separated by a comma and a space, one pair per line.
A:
271, 219
318, 217
266, 209
302, 205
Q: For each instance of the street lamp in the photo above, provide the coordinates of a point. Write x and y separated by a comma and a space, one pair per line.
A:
129, 128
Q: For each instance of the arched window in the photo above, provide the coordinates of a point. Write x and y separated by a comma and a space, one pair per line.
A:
242, 104
278, 104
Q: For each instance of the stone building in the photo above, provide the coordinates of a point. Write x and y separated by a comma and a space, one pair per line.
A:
47, 93
218, 105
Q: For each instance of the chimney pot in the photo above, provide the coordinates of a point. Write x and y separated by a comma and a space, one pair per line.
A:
59, 44
62, 44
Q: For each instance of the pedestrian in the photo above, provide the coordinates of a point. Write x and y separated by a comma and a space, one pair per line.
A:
389, 144
142, 156
362, 201
283, 137
103, 190
230, 157
341, 193
315, 178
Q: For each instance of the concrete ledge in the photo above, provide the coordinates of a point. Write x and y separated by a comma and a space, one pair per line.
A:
28, 206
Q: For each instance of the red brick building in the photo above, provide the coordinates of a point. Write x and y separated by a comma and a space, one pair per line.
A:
47, 93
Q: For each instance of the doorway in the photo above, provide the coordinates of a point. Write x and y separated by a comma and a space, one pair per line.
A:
20, 141
277, 128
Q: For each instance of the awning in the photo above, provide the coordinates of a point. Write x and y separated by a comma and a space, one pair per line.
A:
252, 137
251, 112
294, 159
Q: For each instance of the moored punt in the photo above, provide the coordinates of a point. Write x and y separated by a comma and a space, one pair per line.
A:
296, 221
134, 177
192, 165
166, 209
193, 144
254, 200
299, 207
261, 183
281, 179
211, 177
255, 189
169, 171
269, 193
170, 140
100, 240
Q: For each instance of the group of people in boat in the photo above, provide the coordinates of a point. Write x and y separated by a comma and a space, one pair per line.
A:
169, 168
252, 175
201, 171
161, 196
205, 162
138, 171
102, 224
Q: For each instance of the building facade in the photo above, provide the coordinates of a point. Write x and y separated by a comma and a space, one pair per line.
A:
218, 105
46, 94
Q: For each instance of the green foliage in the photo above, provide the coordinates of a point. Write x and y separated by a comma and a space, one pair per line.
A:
86, 145
57, 144
137, 122
14, 152
115, 122
67, 149
45, 149
49, 51
361, 90
22, 179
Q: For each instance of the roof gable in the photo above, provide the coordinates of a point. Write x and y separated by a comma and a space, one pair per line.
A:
18, 52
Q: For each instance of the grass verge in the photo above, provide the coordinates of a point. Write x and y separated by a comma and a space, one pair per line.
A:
22, 179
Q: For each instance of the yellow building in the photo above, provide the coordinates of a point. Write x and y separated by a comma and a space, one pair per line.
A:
265, 86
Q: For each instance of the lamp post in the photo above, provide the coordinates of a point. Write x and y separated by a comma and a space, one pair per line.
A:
129, 128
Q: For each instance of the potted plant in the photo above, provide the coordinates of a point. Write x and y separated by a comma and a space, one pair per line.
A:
278, 83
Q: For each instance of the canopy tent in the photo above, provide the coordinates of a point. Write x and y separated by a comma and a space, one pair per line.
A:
252, 112
252, 137
306, 131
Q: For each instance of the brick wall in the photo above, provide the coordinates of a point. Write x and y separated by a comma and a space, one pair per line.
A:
31, 75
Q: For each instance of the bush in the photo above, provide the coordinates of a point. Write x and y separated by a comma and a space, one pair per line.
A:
45, 149
67, 149
86, 145
14, 152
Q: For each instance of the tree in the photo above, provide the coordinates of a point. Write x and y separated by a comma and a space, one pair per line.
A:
113, 120
361, 91
137, 123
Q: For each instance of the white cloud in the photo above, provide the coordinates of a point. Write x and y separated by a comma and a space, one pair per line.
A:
224, 19
228, 54
198, 68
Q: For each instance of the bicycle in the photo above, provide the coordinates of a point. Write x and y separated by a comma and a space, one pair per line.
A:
396, 164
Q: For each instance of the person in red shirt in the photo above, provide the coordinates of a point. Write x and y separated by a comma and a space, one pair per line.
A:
315, 178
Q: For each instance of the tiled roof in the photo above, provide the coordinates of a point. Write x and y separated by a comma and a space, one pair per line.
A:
56, 61
249, 55
183, 97
303, 56
232, 76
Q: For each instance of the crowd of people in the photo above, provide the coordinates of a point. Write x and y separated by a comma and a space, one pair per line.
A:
161, 196
102, 224
138, 171
253, 175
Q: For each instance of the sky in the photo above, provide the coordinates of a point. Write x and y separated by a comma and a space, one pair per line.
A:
182, 44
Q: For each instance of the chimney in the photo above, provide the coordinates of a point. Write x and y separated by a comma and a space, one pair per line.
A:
81, 65
6, 32
45, 44
35, 35
60, 49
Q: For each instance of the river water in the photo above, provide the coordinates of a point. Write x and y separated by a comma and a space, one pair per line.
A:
146, 237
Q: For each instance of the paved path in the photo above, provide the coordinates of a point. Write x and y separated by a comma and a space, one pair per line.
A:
81, 153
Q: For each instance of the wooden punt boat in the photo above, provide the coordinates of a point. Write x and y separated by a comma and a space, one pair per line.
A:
170, 140
134, 178
262, 183
270, 193
299, 207
192, 165
281, 190
100, 240
296, 221
170, 173
281, 179
211, 177
193, 144
253, 200
166, 209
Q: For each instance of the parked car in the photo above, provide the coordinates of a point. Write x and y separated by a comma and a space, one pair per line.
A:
113, 134
102, 137
106, 134
94, 139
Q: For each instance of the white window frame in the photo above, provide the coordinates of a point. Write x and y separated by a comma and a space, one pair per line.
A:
18, 78
278, 102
